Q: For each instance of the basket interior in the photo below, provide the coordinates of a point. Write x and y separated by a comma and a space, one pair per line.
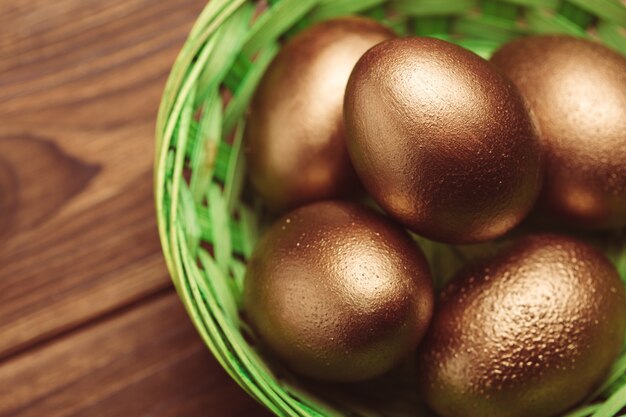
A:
209, 221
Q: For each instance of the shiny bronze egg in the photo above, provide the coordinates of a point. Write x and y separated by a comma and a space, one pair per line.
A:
338, 292
577, 90
530, 332
441, 140
294, 138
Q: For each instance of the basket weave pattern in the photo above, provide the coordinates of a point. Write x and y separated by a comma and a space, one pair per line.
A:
208, 221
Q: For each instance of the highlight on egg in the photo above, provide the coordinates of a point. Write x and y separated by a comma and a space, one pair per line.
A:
338, 292
294, 137
530, 332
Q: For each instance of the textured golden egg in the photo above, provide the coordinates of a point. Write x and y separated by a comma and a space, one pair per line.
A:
294, 137
338, 292
528, 333
441, 140
577, 90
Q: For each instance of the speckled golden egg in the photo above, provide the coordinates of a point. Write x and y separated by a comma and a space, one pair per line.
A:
294, 138
441, 140
577, 90
528, 333
338, 292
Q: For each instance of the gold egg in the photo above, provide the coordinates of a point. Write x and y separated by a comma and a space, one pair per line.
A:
577, 90
530, 332
338, 292
441, 140
294, 139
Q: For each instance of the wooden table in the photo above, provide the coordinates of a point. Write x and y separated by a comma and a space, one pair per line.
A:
89, 323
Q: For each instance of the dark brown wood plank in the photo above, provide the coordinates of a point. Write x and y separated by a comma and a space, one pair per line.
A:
89, 323
80, 83
148, 361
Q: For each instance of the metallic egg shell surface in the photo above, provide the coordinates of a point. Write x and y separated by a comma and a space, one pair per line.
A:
441, 140
577, 90
338, 292
528, 333
294, 139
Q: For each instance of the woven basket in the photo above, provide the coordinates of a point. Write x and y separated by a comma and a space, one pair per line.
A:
209, 221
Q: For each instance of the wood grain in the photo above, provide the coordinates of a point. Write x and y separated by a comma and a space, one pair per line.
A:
80, 83
89, 322
143, 362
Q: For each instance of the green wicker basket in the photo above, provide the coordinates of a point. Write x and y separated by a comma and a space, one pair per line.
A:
209, 221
